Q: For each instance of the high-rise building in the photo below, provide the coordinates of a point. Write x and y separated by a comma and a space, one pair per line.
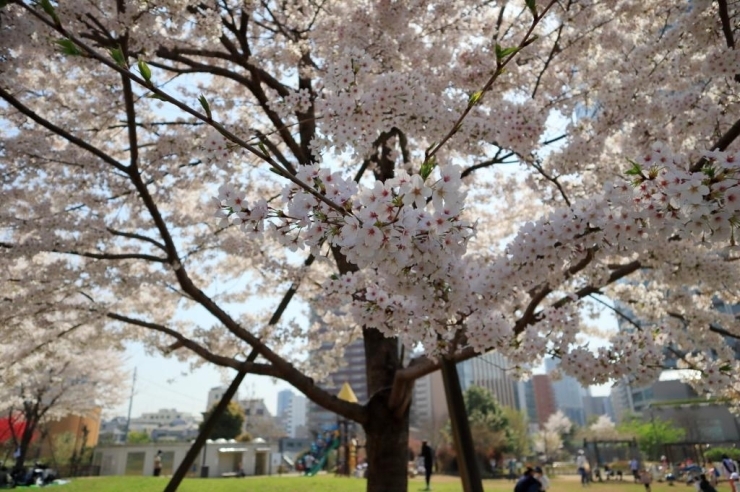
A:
352, 371
428, 405
490, 371
596, 406
214, 396
526, 401
284, 398
569, 394
291, 412
544, 397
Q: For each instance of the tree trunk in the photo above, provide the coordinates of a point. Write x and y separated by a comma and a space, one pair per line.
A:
467, 458
387, 435
23, 446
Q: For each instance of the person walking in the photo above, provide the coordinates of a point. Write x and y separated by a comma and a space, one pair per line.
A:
428, 455
158, 464
539, 474
731, 470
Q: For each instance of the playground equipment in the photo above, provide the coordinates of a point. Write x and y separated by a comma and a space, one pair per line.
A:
334, 438
604, 453
320, 451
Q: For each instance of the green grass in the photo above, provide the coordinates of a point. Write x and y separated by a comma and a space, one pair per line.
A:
324, 483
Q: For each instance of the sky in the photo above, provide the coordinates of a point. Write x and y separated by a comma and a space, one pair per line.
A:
167, 383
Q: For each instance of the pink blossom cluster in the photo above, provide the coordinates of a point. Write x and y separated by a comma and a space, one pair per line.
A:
409, 238
405, 222
215, 147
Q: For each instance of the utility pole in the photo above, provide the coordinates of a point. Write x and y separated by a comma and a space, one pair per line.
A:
130, 404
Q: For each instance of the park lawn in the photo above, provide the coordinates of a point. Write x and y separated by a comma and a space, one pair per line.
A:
324, 483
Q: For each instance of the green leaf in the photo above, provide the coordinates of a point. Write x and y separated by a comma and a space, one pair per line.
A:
48, 8
532, 6
145, 71
156, 96
708, 171
502, 53
635, 170
263, 148
206, 107
475, 98
725, 368
67, 47
117, 55
428, 167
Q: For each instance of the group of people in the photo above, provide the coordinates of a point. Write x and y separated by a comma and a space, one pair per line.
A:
534, 479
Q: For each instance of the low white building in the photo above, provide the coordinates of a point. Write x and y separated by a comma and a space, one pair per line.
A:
218, 458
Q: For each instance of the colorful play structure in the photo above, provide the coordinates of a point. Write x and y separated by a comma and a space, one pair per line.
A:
333, 438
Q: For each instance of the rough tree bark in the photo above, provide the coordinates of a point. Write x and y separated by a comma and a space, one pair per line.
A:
387, 432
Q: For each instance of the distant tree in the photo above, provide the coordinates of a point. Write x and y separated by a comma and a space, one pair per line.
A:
603, 428
138, 437
715, 454
651, 434
549, 439
488, 424
229, 424
598, 427
519, 441
433, 432
244, 437
59, 378
265, 427
68, 450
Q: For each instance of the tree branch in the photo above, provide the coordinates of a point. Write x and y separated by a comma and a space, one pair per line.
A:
726, 27
112, 256
201, 351
60, 131
721, 145
141, 237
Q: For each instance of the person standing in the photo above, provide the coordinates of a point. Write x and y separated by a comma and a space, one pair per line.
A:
428, 455
158, 464
583, 467
512, 469
539, 474
635, 469
731, 469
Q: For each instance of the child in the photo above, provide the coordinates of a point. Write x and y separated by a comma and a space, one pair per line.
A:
646, 478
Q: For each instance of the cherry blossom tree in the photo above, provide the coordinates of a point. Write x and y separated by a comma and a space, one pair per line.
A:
460, 176
70, 376
549, 439
603, 428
